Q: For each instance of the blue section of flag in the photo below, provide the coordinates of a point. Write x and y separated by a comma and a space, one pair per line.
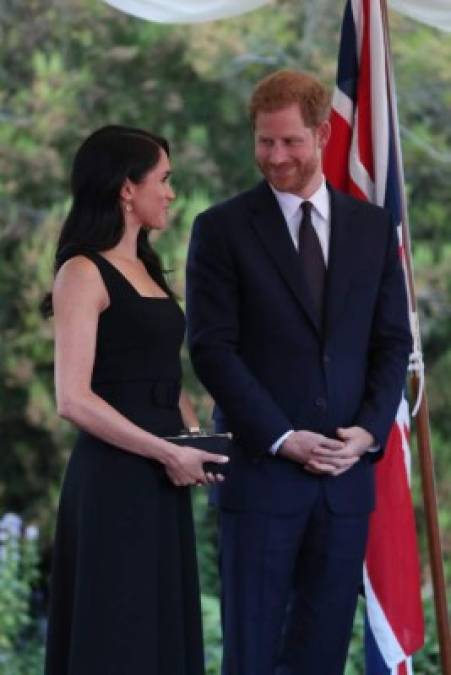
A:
347, 61
393, 191
374, 663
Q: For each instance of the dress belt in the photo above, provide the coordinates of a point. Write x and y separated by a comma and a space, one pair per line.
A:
161, 393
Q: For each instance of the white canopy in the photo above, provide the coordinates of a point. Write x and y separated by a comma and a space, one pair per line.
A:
435, 13
186, 11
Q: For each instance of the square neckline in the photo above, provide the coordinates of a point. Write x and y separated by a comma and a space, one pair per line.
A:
129, 283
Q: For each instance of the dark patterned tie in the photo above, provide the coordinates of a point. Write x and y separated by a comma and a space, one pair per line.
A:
312, 258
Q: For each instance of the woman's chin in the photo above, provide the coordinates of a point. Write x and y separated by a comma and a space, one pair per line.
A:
156, 227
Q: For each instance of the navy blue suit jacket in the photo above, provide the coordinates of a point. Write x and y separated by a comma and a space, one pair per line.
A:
256, 346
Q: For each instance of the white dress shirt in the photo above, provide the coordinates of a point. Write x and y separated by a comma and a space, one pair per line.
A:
290, 205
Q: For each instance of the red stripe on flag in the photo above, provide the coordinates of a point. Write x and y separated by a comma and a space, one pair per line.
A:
388, 553
355, 191
336, 154
336, 157
364, 96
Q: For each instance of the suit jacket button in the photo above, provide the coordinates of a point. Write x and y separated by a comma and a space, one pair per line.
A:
321, 402
326, 359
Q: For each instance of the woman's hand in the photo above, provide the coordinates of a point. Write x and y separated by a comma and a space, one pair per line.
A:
185, 466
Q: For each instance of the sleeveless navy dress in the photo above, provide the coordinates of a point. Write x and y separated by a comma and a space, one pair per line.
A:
124, 589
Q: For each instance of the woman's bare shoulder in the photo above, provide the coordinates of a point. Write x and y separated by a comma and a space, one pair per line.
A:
80, 276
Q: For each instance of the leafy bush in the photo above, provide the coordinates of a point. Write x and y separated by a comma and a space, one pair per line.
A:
21, 651
212, 634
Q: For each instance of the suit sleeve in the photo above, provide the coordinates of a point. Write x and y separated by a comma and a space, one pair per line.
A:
213, 310
389, 349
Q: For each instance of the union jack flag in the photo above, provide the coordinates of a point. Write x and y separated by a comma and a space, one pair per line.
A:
363, 158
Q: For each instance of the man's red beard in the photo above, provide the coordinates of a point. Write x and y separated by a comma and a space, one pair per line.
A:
291, 176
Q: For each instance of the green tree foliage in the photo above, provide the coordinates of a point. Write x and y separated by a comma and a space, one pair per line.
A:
20, 644
67, 68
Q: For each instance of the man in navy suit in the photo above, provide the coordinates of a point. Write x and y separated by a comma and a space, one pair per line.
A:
298, 327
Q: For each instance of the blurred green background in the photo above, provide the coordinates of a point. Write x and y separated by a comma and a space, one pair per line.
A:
67, 68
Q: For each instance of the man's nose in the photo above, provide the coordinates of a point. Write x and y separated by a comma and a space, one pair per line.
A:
278, 154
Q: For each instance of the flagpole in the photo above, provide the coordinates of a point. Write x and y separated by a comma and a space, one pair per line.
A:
422, 419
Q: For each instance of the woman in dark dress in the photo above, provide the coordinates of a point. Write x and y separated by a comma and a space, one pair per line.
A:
124, 587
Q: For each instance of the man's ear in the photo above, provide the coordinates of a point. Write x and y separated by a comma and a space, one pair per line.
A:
324, 131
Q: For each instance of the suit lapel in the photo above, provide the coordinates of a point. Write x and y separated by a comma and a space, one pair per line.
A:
272, 230
344, 230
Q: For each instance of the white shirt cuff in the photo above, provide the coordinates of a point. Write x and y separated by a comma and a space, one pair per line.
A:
275, 446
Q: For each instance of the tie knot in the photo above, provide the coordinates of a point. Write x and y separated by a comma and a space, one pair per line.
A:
306, 208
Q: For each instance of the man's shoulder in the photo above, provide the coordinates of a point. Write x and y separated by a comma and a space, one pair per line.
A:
342, 199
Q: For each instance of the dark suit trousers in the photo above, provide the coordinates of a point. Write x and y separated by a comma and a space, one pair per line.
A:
289, 589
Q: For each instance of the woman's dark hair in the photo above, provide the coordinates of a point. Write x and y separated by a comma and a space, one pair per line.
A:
95, 221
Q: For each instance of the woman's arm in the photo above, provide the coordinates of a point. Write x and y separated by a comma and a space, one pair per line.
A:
79, 296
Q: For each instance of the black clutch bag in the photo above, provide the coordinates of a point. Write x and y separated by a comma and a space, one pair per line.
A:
217, 444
